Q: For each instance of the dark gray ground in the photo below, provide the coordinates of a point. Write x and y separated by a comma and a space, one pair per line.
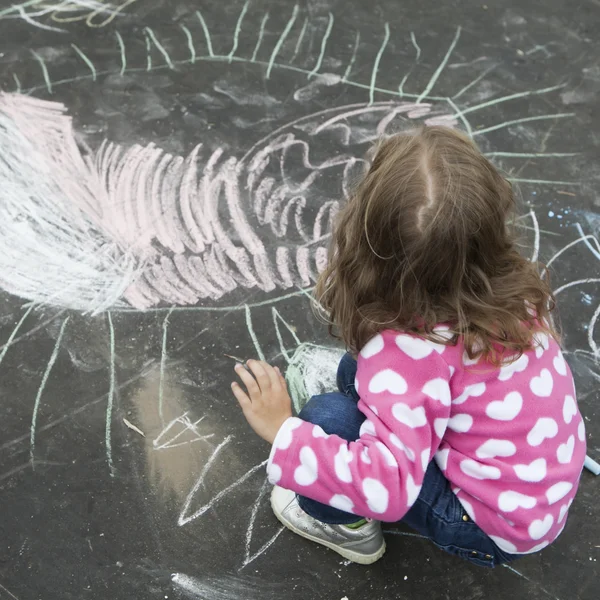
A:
168, 523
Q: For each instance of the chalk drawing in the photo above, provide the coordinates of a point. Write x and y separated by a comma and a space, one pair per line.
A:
311, 371
163, 359
141, 228
536, 240
523, 120
377, 61
38, 398
253, 336
300, 39
238, 28
123, 53
439, 70
44, 71
190, 43
261, 34
48, 201
14, 333
160, 47
352, 57
181, 426
137, 196
248, 555
70, 11
277, 319
281, 39
86, 60
206, 33
111, 397
324, 41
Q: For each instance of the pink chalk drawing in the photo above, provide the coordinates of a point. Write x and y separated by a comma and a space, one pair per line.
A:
91, 229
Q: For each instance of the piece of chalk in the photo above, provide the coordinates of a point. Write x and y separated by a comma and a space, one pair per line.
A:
239, 360
591, 465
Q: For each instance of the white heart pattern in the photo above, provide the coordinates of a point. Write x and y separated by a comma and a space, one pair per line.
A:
507, 409
341, 502
517, 366
387, 455
542, 385
367, 428
478, 470
341, 463
493, 448
558, 491
564, 454
284, 437
364, 456
438, 390
308, 472
388, 381
274, 473
569, 409
414, 347
510, 500
563, 512
425, 459
581, 431
441, 458
535, 471
376, 495
539, 528
460, 423
475, 390
412, 490
318, 432
411, 417
536, 548
394, 439
468, 508
544, 428
374, 409
503, 544
560, 365
373, 346
439, 425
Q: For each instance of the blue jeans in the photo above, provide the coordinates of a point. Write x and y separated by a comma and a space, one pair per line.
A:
437, 513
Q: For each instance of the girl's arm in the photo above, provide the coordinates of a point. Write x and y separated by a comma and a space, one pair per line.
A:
406, 399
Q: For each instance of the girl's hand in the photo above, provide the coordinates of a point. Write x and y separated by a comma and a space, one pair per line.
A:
266, 404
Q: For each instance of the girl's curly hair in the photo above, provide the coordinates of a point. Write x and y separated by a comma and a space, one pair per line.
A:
425, 240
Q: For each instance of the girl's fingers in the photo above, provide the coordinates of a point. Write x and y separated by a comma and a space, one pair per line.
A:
248, 380
273, 376
282, 380
262, 377
241, 396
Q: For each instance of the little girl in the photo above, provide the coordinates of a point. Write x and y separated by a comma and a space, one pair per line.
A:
458, 416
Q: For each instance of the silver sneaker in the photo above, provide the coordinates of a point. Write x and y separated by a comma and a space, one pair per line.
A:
364, 545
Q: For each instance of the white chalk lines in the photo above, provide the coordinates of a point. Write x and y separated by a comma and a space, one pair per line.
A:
94, 13
38, 398
181, 431
293, 36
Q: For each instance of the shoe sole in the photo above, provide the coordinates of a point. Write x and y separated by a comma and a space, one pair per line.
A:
361, 559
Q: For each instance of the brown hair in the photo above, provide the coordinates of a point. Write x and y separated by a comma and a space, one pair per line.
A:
425, 240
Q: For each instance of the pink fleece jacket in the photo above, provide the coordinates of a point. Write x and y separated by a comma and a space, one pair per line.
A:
510, 440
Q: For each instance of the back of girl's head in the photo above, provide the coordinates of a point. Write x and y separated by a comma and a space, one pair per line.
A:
425, 240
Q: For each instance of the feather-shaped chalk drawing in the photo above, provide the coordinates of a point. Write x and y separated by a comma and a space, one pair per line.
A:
88, 230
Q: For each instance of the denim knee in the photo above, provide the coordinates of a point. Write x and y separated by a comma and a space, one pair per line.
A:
335, 413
